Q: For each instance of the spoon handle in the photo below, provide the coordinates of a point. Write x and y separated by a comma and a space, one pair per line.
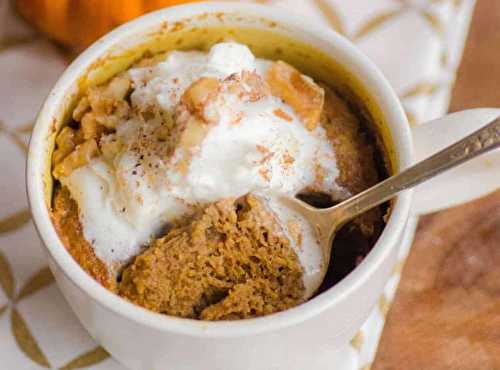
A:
483, 140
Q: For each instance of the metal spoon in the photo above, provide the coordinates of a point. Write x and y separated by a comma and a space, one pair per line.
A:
327, 221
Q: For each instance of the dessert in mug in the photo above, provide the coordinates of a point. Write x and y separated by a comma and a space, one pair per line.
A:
170, 178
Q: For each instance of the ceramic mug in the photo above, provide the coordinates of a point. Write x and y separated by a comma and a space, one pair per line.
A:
306, 336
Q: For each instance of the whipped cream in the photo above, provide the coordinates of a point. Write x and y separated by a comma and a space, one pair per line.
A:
250, 145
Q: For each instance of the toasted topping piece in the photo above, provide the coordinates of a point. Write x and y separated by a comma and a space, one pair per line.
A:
82, 155
199, 94
81, 108
102, 98
89, 126
194, 133
189, 138
110, 147
282, 114
66, 141
248, 86
107, 103
118, 88
303, 95
119, 112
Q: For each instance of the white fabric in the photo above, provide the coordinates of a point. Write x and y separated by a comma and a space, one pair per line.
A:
416, 43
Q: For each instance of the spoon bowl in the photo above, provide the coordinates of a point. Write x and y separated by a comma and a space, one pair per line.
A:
327, 221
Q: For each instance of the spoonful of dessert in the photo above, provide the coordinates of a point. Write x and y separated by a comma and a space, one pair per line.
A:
327, 221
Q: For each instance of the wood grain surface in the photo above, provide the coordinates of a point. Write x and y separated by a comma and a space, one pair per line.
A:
446, 313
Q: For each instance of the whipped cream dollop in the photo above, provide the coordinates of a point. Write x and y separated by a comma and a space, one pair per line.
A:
180, 155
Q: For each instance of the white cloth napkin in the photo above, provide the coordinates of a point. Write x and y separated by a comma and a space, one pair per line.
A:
416, 43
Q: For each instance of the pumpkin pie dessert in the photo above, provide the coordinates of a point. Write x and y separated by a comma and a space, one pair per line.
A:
170, 175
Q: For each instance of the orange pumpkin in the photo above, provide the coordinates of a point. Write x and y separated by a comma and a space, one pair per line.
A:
78, 23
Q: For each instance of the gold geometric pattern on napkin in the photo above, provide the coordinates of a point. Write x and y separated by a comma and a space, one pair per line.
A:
6, 277
383, 305
422, 88
366, 367
456, 3
375, 22
357, 340
16, 135
331, 15
398, 268
379, 20
433, 21
38, 281
25, 339
89, 358
16, 219
26, 342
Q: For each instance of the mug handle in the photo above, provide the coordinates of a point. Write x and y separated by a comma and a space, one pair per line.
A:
466, 182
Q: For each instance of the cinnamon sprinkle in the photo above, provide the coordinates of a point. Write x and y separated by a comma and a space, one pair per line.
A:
282, 114
264, 172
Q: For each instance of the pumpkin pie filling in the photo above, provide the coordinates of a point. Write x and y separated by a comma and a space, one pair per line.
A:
169, 178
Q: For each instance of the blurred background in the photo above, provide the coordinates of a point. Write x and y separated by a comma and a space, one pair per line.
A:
445, 313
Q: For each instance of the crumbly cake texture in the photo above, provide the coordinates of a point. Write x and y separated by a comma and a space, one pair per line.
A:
68, 227
355, 155
230, 261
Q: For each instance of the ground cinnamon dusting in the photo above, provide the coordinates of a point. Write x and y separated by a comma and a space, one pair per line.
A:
264, 172
288, 159
282, 114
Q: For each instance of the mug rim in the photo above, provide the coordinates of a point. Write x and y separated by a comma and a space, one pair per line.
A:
387, 101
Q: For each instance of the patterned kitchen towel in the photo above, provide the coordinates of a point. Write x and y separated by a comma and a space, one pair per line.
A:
416, 43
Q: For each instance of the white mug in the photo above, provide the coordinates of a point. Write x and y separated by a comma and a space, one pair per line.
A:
297, 338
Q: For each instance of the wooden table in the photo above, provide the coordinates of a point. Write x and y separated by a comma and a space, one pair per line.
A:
446, 313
